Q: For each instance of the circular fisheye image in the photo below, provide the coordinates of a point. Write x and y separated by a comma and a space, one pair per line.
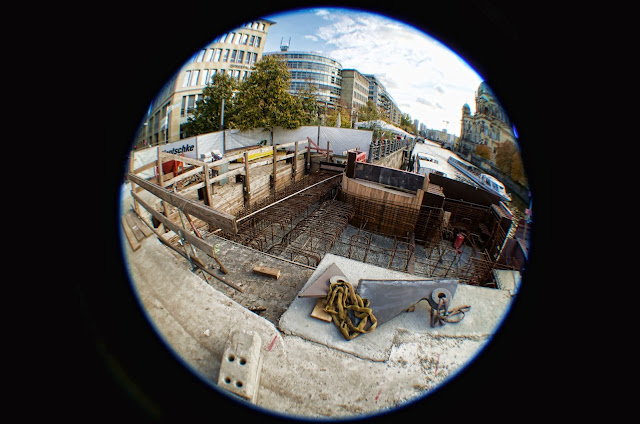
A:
320, 232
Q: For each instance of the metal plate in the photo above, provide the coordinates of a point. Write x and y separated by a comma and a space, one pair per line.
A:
389, 298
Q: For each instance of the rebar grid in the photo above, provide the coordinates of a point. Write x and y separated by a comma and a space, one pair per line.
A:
316, 234
270, 226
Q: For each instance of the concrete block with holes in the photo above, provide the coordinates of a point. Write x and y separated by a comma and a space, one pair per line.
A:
241, 364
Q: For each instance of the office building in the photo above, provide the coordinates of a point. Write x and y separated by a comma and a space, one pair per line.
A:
355, 89
234, 53
383, 100
313, 68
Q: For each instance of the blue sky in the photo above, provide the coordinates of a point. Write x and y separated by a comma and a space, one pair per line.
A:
426, 79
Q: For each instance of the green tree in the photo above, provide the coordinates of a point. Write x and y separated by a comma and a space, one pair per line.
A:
345, 116
407, 124
309, 103
264, 100
369, 112
206, 115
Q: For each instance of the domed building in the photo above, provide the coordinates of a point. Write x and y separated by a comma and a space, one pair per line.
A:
490, 125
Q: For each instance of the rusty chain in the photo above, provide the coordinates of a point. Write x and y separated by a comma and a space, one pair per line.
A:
441, 314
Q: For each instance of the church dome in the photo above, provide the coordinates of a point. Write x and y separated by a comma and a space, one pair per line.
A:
466, 110
484, 89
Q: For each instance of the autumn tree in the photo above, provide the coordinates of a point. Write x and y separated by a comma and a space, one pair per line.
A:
509, 161
483, 151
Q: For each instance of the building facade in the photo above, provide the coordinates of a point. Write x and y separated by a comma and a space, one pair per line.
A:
489, 126
355, 89
383, 100
307, 68
234, 53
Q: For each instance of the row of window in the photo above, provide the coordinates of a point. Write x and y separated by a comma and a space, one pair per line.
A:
315, 76
223, 55
203, 77
309, 56
313, 66
239, 38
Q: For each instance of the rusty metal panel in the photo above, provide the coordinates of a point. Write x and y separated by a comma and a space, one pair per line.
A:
389, 298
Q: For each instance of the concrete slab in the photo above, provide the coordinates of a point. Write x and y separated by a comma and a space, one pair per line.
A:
488, 307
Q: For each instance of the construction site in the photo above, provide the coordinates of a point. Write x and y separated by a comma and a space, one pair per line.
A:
244, 236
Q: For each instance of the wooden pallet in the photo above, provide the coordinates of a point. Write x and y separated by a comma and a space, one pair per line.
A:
134, 229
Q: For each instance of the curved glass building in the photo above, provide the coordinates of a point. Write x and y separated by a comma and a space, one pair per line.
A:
313, 68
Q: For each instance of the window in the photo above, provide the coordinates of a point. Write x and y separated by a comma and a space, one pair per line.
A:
226, 55
233, 56
254, 57
248, 59
209, 55
205, 75
200, 55
191, 103
216, 57
252, 40
240, 56
243, 39
187, 76
230, 37
258, 39
188, 104
194, 78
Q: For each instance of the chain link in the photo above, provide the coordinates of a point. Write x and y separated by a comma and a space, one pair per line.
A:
341, 298
441, 314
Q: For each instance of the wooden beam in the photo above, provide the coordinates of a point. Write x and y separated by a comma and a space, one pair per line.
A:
275, 164
135, 245
267, 272
198, 262
197, 242
247, 180
159, 167
179, 158
208, 188
216, 219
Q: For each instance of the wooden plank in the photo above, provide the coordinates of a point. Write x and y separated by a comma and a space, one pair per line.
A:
247, 180
171, 156
240, 287
195, 241
319, 312
208, 188
127, 232
137, 231
274, 174
144, 167
268, 272
141, 225
216, 219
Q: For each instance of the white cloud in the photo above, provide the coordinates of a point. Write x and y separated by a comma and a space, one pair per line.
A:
424, 77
